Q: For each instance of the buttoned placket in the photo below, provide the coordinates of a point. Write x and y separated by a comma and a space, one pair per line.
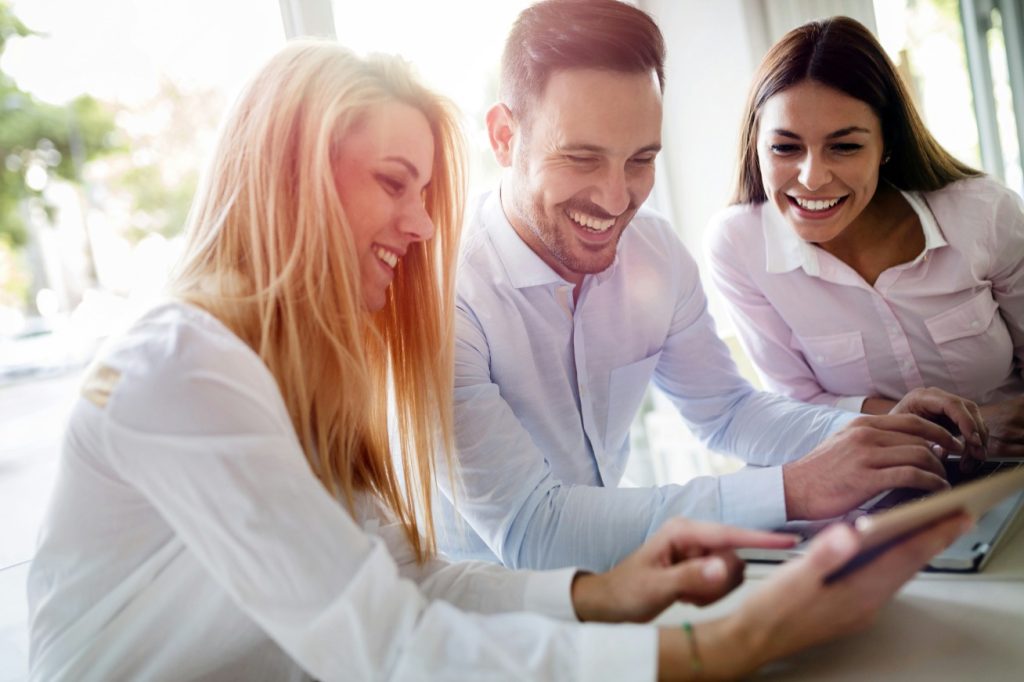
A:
579, 347
834, 270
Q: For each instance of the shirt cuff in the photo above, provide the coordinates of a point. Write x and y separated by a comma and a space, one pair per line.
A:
851, 403
550, 593
618, 652
753, 497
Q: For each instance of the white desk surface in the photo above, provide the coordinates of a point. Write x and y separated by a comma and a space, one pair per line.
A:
941, 626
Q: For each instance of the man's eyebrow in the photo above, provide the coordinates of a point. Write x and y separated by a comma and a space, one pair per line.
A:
597, 149
782, 132
405, 162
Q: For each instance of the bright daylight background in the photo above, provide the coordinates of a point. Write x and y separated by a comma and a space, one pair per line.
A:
109, 109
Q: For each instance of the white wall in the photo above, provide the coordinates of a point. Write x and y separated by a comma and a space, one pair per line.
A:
713, 48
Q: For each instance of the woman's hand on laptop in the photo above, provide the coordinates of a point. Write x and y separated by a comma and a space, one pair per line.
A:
961, 415
687, 561
1005, 422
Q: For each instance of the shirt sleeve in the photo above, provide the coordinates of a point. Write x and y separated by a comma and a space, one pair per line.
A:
719, 405
763, 333
529, 518
1007, 245
207, 441
481, 586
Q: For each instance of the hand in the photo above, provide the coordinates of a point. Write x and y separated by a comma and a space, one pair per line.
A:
1005, 422
684, 561
949, 410
870, 455
795, 609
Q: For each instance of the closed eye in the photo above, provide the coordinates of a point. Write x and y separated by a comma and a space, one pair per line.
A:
847, 147
785, 148
391, 185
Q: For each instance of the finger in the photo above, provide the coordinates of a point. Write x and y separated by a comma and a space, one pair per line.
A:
884, 438
705, 580
908, 476
830, 549
999, 447
983, 433
957, 410
918, 456
917, 426
684, 534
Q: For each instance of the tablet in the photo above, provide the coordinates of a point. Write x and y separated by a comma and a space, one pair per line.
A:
975, 498
880, 531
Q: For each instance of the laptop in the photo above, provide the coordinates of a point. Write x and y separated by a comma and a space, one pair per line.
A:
971, 551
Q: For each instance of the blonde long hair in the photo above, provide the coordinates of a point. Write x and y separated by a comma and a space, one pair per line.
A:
271, 255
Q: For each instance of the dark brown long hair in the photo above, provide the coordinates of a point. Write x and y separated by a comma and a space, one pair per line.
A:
843, 54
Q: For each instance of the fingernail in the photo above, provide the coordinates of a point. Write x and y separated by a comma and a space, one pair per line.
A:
937, 449
842, 543
976, 438
713, 569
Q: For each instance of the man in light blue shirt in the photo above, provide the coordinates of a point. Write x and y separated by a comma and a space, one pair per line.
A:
572, 298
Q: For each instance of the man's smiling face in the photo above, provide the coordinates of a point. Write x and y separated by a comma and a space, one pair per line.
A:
582, 163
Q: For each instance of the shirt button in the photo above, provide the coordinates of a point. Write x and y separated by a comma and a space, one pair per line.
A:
974, 325
820, 358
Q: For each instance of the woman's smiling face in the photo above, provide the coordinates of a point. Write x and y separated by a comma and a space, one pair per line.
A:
381, 171
819, 152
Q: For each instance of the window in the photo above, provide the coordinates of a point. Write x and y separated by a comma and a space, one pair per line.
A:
956, 56
107, 115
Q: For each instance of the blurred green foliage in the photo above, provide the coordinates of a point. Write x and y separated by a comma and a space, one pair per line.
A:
61, 138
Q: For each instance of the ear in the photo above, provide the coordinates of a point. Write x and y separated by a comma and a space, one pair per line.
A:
501, 131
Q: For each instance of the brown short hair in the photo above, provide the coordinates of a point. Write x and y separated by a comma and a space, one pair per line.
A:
568, 34
843, 54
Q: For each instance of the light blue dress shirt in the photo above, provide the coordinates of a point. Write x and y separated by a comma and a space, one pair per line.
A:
546, 390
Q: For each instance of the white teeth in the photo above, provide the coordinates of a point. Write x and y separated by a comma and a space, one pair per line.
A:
386, 256
590, 222
816, 204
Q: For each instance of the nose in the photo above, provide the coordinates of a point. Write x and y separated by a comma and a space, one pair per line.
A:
613, 191
417, 224
814, 172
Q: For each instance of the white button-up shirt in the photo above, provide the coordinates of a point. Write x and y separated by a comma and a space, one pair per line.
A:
546, 390
189, 539
953, 317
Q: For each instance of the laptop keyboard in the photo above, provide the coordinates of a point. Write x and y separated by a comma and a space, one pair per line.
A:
953, 475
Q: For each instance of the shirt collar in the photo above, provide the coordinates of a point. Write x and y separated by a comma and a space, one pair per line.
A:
785, 251
523, 267
933, 237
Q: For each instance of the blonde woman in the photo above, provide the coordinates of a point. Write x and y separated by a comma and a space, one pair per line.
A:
228, 506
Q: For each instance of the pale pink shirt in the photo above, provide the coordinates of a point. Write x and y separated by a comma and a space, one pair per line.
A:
953, 317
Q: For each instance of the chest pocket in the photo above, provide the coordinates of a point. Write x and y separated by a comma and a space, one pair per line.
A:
626, 388
974, 343
967, 319
837, 360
